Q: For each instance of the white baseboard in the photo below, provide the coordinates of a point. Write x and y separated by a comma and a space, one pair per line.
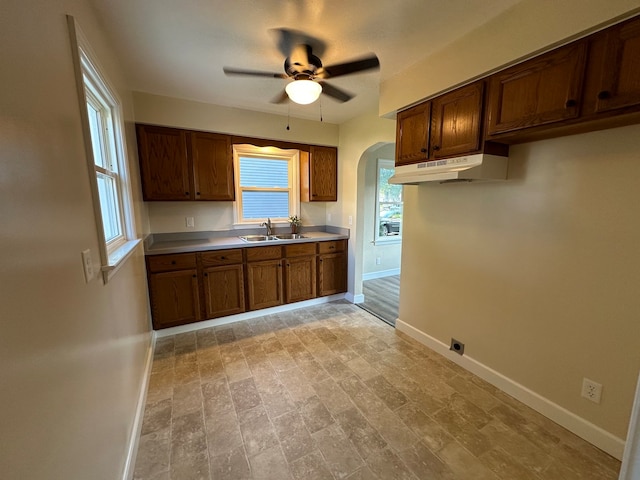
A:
191, 327
380, 274
136, 429
350, 297
593, 434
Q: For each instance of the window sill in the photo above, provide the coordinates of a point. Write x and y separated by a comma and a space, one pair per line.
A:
117, 258
387, 241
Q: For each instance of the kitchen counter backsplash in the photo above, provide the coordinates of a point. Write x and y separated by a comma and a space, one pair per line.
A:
182, 242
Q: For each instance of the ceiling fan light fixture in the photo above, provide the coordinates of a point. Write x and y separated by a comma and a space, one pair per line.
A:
303, 92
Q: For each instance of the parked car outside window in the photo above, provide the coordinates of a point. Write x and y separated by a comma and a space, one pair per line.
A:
390, 222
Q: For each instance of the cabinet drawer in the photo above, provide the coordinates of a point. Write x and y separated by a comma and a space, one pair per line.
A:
221, 257
168, 263
332, 246
263, 253
299, 249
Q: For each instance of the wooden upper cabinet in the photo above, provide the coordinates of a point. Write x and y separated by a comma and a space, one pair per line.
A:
543, 90
319, 174
619, 84
412, 134
164, 163
178, 164
212, 166
456, 121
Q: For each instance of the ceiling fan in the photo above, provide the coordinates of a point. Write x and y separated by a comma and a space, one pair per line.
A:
306, 69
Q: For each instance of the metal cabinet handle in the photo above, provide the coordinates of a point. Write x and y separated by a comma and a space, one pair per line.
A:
604, 94
423, 150
570, 103
436, 147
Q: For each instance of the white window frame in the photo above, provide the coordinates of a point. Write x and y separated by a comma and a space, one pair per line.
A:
93, 86
378, 239
251, 151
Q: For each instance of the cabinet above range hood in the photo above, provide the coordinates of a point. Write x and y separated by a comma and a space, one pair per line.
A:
468, 168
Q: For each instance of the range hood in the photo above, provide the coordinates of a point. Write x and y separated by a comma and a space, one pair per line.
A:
468, 168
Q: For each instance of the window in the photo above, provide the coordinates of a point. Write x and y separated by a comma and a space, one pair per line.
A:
388, 205
266, 183
106, 157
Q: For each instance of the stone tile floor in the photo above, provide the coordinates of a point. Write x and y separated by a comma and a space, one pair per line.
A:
331, 392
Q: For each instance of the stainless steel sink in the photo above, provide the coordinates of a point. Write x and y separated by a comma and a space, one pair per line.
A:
289, 236
270, 238
257, 238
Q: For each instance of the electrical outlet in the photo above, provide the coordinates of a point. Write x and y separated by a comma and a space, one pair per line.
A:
591, 390
378, 260
350, 220
457, 346
189, 222
87, 265
328, 217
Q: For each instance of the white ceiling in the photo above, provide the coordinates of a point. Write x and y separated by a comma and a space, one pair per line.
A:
177, 48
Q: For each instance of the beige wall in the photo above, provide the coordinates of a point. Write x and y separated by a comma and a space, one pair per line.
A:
358, 137
73, 354
538, 275
165, 217
527, 27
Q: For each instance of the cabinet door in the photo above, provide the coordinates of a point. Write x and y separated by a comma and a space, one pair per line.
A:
332, 273
456, 121
412, 134
540, 91
300, 278
174, 298
164, 163
620, 80
323, 174
264, 284
212, 166
223, 290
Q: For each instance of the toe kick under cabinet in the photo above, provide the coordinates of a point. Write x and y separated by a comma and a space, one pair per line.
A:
191, 287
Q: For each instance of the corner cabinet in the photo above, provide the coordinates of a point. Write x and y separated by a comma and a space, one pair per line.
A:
319, 174
178, 164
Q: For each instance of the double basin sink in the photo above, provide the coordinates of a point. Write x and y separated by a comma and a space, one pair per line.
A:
270, 238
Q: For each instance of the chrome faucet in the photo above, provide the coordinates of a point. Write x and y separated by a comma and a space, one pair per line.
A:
269, 227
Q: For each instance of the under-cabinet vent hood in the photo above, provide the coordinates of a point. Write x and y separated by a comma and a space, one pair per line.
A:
469, 168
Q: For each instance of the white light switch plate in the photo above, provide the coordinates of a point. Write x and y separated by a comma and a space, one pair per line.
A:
88, 265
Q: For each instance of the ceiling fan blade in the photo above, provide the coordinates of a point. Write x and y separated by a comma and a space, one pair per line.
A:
282, 97
288, 39
253, 73
300, 55
335, 92
369, 62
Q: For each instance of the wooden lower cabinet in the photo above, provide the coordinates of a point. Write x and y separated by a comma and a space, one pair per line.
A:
190, 287
223, 290
264, 284
174, 298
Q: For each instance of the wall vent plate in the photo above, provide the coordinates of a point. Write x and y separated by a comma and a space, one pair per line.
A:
457, 346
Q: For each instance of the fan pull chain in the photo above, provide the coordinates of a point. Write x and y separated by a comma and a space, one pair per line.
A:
321, 110
288, 115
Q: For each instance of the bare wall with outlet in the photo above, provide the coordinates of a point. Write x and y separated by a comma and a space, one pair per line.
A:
539, 274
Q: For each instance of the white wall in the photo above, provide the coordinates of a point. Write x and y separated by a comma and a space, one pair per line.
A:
389, 254
72, 354
165, 217
539, 275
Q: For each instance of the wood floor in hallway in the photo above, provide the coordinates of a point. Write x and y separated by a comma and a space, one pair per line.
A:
381, 297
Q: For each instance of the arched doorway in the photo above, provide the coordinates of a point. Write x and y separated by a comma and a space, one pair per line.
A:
380, 228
